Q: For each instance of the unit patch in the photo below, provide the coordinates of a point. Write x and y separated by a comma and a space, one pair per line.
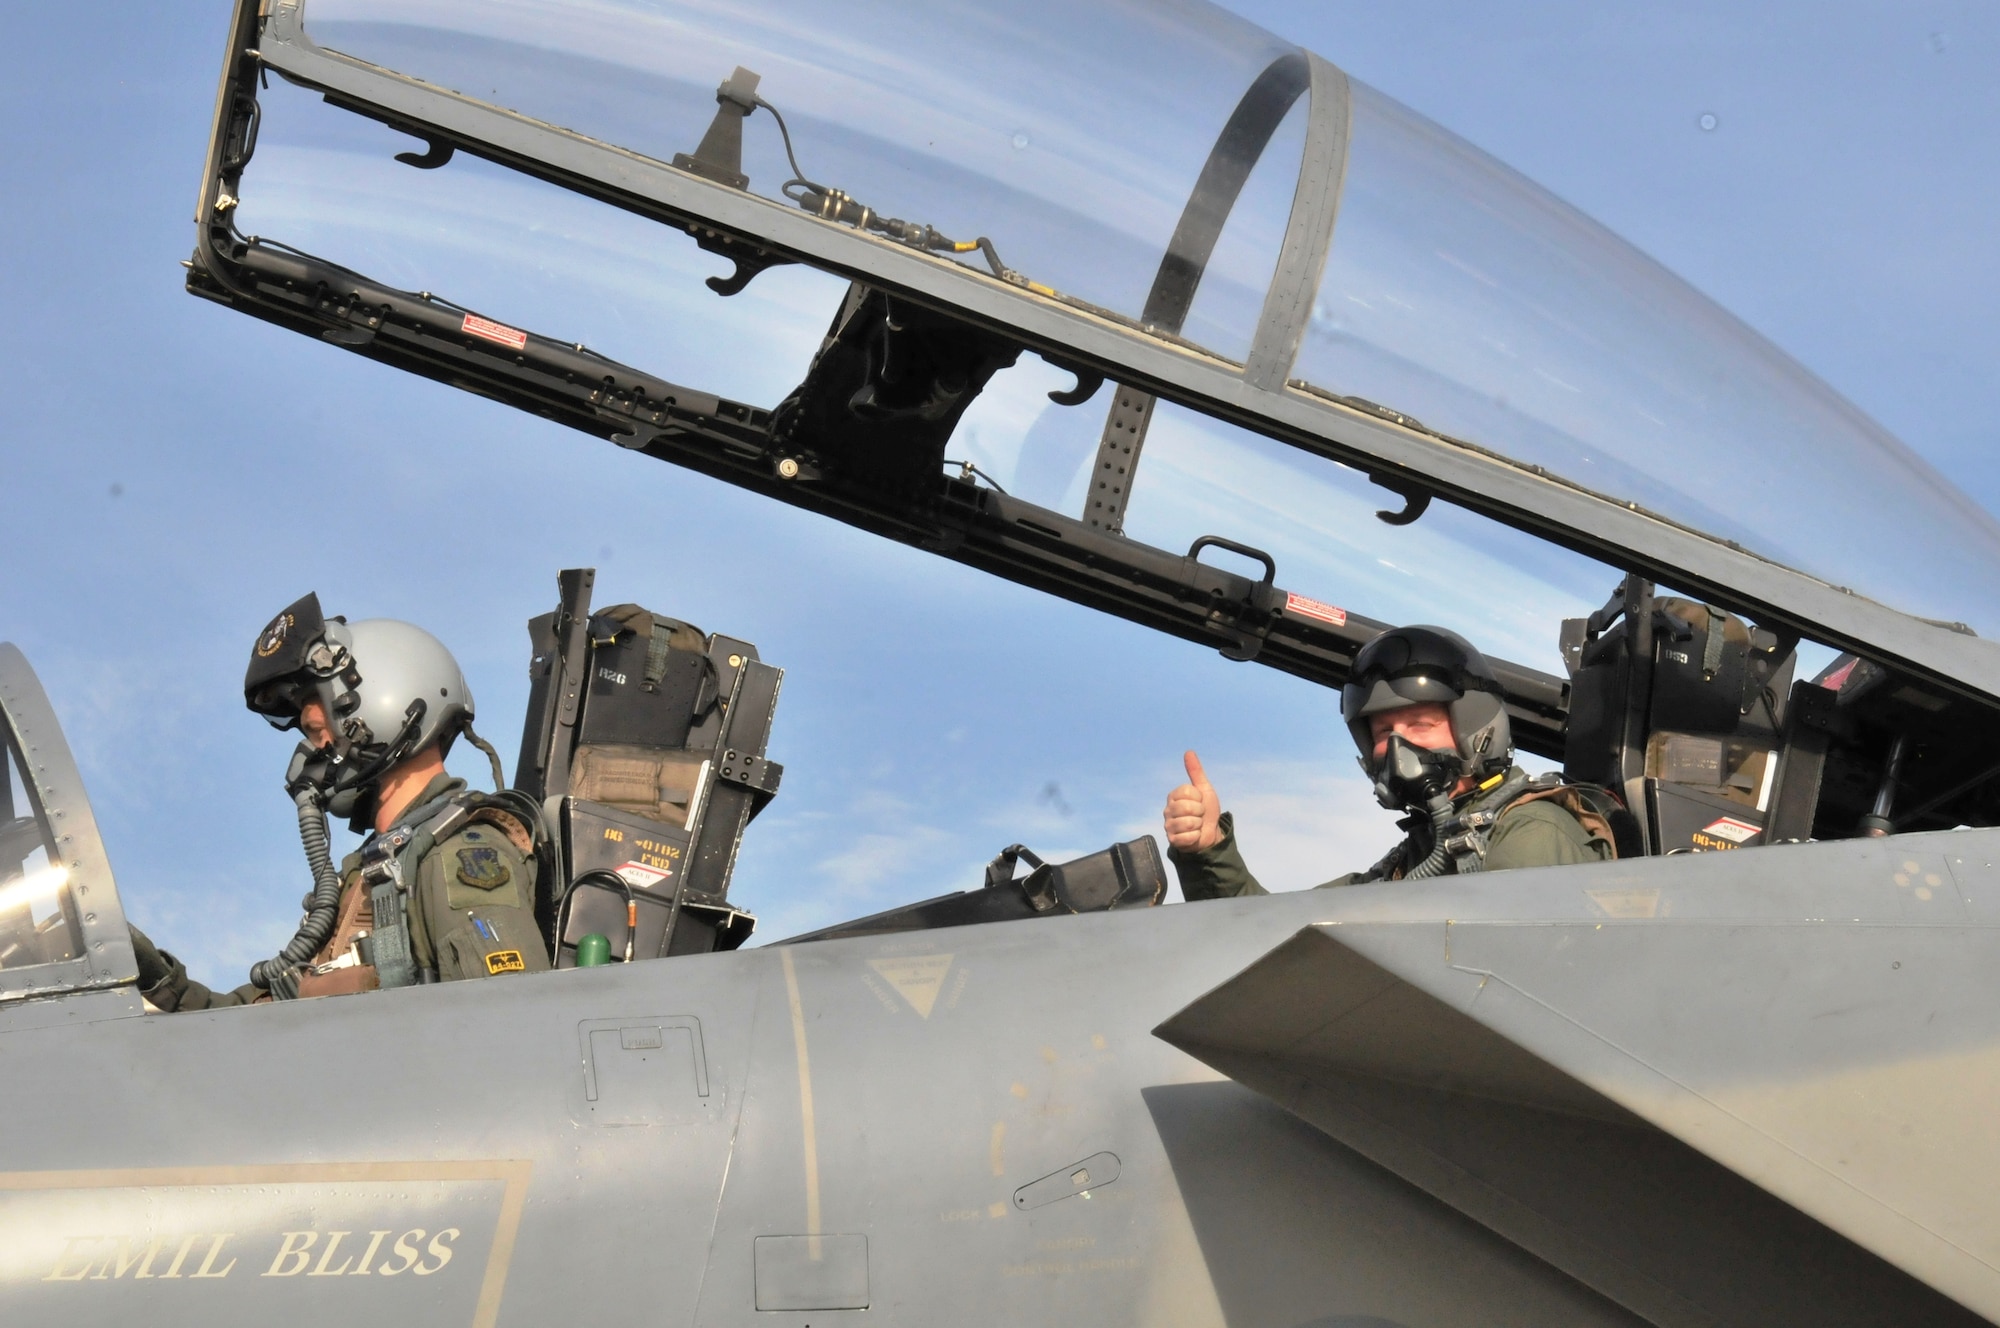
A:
273, 639
482, 869
506, 961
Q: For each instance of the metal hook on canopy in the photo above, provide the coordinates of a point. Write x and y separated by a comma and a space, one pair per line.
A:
1087, 383
435, 154
1416, 501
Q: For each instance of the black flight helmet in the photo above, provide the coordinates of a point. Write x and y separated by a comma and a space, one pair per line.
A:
293, 662
1407, 666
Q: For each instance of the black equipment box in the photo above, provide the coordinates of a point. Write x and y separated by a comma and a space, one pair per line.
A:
1121, 876
1691, 820
649, 858
646, 853
1128, 875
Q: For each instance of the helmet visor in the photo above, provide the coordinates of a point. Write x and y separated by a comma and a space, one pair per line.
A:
1411, 666
1375, 697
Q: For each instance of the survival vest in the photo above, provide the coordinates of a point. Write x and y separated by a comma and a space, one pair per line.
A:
371, 945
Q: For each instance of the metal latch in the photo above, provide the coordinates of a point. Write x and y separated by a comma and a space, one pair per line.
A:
751, 772
1247, 621
359, 955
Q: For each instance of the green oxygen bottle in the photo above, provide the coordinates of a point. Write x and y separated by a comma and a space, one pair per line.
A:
593, 950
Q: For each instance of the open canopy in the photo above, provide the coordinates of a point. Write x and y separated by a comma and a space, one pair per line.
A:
1260, 294
1181, 169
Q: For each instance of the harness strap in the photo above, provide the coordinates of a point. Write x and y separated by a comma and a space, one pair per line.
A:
1711, 650
1577, 800
389, 864
1468, 835
656, 653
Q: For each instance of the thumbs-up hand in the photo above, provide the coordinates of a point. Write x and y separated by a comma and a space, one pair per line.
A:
1193, 812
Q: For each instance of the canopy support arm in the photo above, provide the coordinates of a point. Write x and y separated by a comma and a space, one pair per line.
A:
1308, 234
1237, 150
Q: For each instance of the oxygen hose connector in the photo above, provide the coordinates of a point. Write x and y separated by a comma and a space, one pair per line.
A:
1438, 862
279, 976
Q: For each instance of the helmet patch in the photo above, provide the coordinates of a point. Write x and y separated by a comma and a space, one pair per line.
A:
482, 869
273, 639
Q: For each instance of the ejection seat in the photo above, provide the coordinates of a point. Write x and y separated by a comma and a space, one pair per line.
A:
644, 743
1679, 708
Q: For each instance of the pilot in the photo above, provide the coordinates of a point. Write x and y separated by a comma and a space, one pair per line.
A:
1428, 716
443, 886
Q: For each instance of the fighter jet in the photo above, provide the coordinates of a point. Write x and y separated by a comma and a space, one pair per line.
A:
1735, 1075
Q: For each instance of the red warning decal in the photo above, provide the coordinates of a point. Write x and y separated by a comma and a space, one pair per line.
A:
1731, 829
1312, 608
642, 876
511, 337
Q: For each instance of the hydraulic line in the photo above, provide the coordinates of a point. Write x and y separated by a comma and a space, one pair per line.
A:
832, 204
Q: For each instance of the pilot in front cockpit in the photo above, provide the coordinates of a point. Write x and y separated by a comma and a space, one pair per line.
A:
1429, 718
444, 885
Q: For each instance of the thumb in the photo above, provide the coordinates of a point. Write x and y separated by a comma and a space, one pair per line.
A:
1196, 775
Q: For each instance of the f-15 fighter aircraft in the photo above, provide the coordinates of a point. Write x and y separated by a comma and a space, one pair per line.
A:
1734, 1074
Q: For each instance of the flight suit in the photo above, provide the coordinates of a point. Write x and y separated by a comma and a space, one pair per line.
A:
471, 914
1530, 831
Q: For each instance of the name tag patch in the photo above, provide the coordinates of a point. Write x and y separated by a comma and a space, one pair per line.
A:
506, 961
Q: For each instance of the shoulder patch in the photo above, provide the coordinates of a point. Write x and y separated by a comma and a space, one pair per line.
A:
482, 869
506, 961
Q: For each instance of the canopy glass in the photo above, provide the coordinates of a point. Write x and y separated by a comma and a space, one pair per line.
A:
38, 912
1463, 294
1073, 136
921, 113
61, 924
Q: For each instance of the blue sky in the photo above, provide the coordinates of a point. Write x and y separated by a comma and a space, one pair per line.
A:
176, 472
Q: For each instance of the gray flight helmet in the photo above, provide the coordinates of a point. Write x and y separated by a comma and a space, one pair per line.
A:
401, 664
1407, 666
389, 690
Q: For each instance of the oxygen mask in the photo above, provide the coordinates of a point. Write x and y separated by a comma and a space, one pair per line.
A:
339, 768
330, 779
1413, 778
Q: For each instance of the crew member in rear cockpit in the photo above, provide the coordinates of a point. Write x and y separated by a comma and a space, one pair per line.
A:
1428, 715
444, 885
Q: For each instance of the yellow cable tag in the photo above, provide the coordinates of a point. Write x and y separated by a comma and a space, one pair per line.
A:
1493, 782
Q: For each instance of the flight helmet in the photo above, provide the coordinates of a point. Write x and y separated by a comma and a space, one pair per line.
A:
1407, 666
389, 690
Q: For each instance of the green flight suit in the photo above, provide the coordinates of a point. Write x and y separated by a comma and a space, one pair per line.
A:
471, 912
472, 906
1527, 834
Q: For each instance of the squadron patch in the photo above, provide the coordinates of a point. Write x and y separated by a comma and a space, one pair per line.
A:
273, 639
506, 961
482, 869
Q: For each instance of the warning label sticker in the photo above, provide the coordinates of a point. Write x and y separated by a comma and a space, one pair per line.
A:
641, 877
511, 337
1725, 832
1314, 609
1733, 830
